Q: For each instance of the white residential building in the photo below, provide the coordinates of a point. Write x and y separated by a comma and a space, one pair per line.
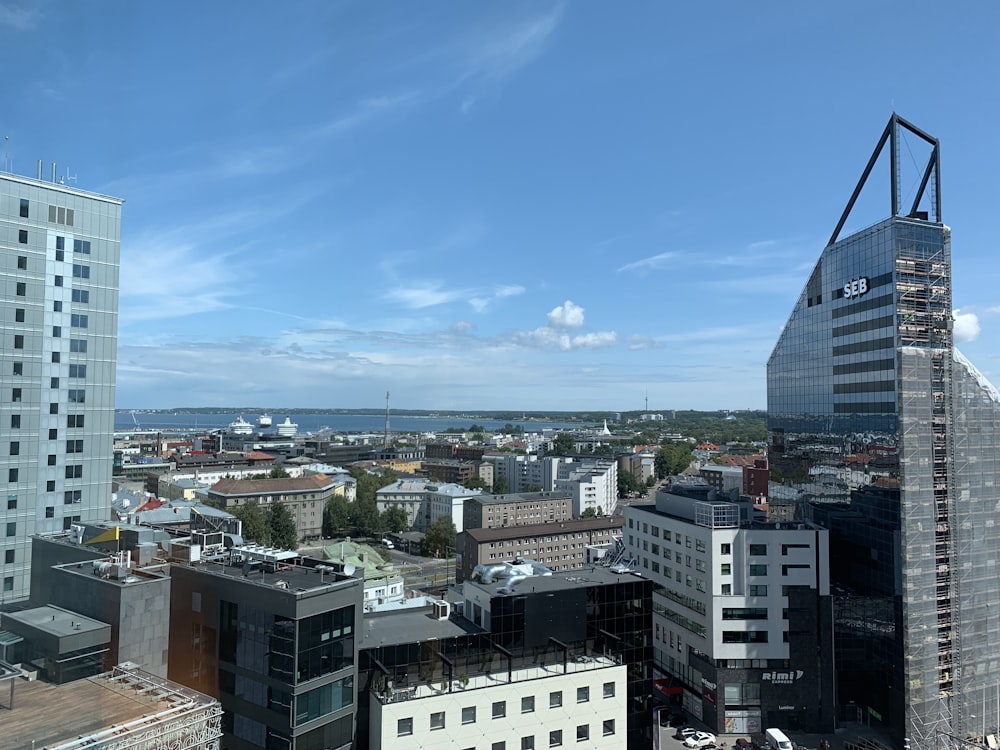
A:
742, 613
540, 707
425, 501
592, 483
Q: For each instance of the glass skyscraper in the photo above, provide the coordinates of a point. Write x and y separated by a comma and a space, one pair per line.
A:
59, 259
891, 436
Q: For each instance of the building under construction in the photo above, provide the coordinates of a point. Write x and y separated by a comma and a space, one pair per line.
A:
868, 397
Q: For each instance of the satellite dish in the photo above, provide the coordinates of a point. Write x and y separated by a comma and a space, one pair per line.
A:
349, 569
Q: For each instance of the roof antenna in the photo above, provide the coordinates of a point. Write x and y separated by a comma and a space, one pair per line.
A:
6, 154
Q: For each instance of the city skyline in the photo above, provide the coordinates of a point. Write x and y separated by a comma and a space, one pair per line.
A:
519, 206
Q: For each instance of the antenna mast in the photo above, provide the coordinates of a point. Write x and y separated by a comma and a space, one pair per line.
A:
386, 440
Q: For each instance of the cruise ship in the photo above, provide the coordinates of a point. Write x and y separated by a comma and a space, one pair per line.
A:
288, 428
241, 427
264, 421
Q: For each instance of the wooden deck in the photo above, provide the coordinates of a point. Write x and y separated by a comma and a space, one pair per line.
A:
52, 714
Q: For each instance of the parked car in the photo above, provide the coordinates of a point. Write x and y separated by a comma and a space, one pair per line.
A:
387, 543
700, 740
683, 733
742, 743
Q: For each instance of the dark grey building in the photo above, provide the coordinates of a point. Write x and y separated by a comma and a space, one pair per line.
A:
276, 643
872, 405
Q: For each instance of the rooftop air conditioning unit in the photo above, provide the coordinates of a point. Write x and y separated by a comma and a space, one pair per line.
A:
440, 610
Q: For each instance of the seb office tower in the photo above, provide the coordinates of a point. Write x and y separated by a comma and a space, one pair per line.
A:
891, 437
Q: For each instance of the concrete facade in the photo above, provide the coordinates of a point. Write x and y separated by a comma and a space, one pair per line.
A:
59, 258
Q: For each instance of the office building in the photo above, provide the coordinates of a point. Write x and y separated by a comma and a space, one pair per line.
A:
742, 613
536, 661
59, 257
869, 399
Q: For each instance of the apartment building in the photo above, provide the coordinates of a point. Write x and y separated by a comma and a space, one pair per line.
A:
517, 509
559, 546
59, 258
742, 612
305, 498
425, 501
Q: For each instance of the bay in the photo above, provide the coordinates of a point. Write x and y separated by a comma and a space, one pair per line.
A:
126, 421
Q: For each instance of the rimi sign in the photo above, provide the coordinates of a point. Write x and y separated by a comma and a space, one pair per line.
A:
856, 288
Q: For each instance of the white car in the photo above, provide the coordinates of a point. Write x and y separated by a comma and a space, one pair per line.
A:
387, 543
700, 739
683, 733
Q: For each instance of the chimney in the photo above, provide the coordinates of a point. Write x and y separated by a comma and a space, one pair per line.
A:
53, 171
39, 169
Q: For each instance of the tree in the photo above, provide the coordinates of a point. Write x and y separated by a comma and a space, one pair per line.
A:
589, 513
499, 486
563, 444
476, 483
278, 472
283, 532
672, 458
336, 515
256, 525
627, 483
365, 517
394, 519
440, 537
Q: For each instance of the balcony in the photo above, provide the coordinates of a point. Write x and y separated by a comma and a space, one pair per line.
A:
493, 679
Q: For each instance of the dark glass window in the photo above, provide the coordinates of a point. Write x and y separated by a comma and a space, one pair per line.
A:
21, 289
22, 236
24, 208
22, 262
19, 315
326, 643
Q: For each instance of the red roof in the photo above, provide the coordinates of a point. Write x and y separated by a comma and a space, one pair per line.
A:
264, 486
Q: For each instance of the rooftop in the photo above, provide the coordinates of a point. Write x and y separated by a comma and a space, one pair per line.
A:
298, 575
588, 577
411, 626
313, 483
553, 527
95, 710
55, 621
523, 497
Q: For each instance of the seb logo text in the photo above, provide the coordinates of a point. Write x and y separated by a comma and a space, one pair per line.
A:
856, 288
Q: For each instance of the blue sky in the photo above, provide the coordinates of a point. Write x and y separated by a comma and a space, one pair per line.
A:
483, 205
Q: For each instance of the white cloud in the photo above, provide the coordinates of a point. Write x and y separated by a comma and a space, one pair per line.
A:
511, 49
567, 315
481, 303
966, 327
19, 16
420, 294
595, 340
652, 263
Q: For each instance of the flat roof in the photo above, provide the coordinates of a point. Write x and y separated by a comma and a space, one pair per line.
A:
46, 715
552, 527
60, 187
56, 621
523, 497
411, 626
585, 577
299, 578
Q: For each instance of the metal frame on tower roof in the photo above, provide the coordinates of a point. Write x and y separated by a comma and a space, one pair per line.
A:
933, 166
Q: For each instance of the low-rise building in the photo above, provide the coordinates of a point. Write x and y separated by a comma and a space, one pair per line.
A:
516, 509
305, 498
559, 546
424, 501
